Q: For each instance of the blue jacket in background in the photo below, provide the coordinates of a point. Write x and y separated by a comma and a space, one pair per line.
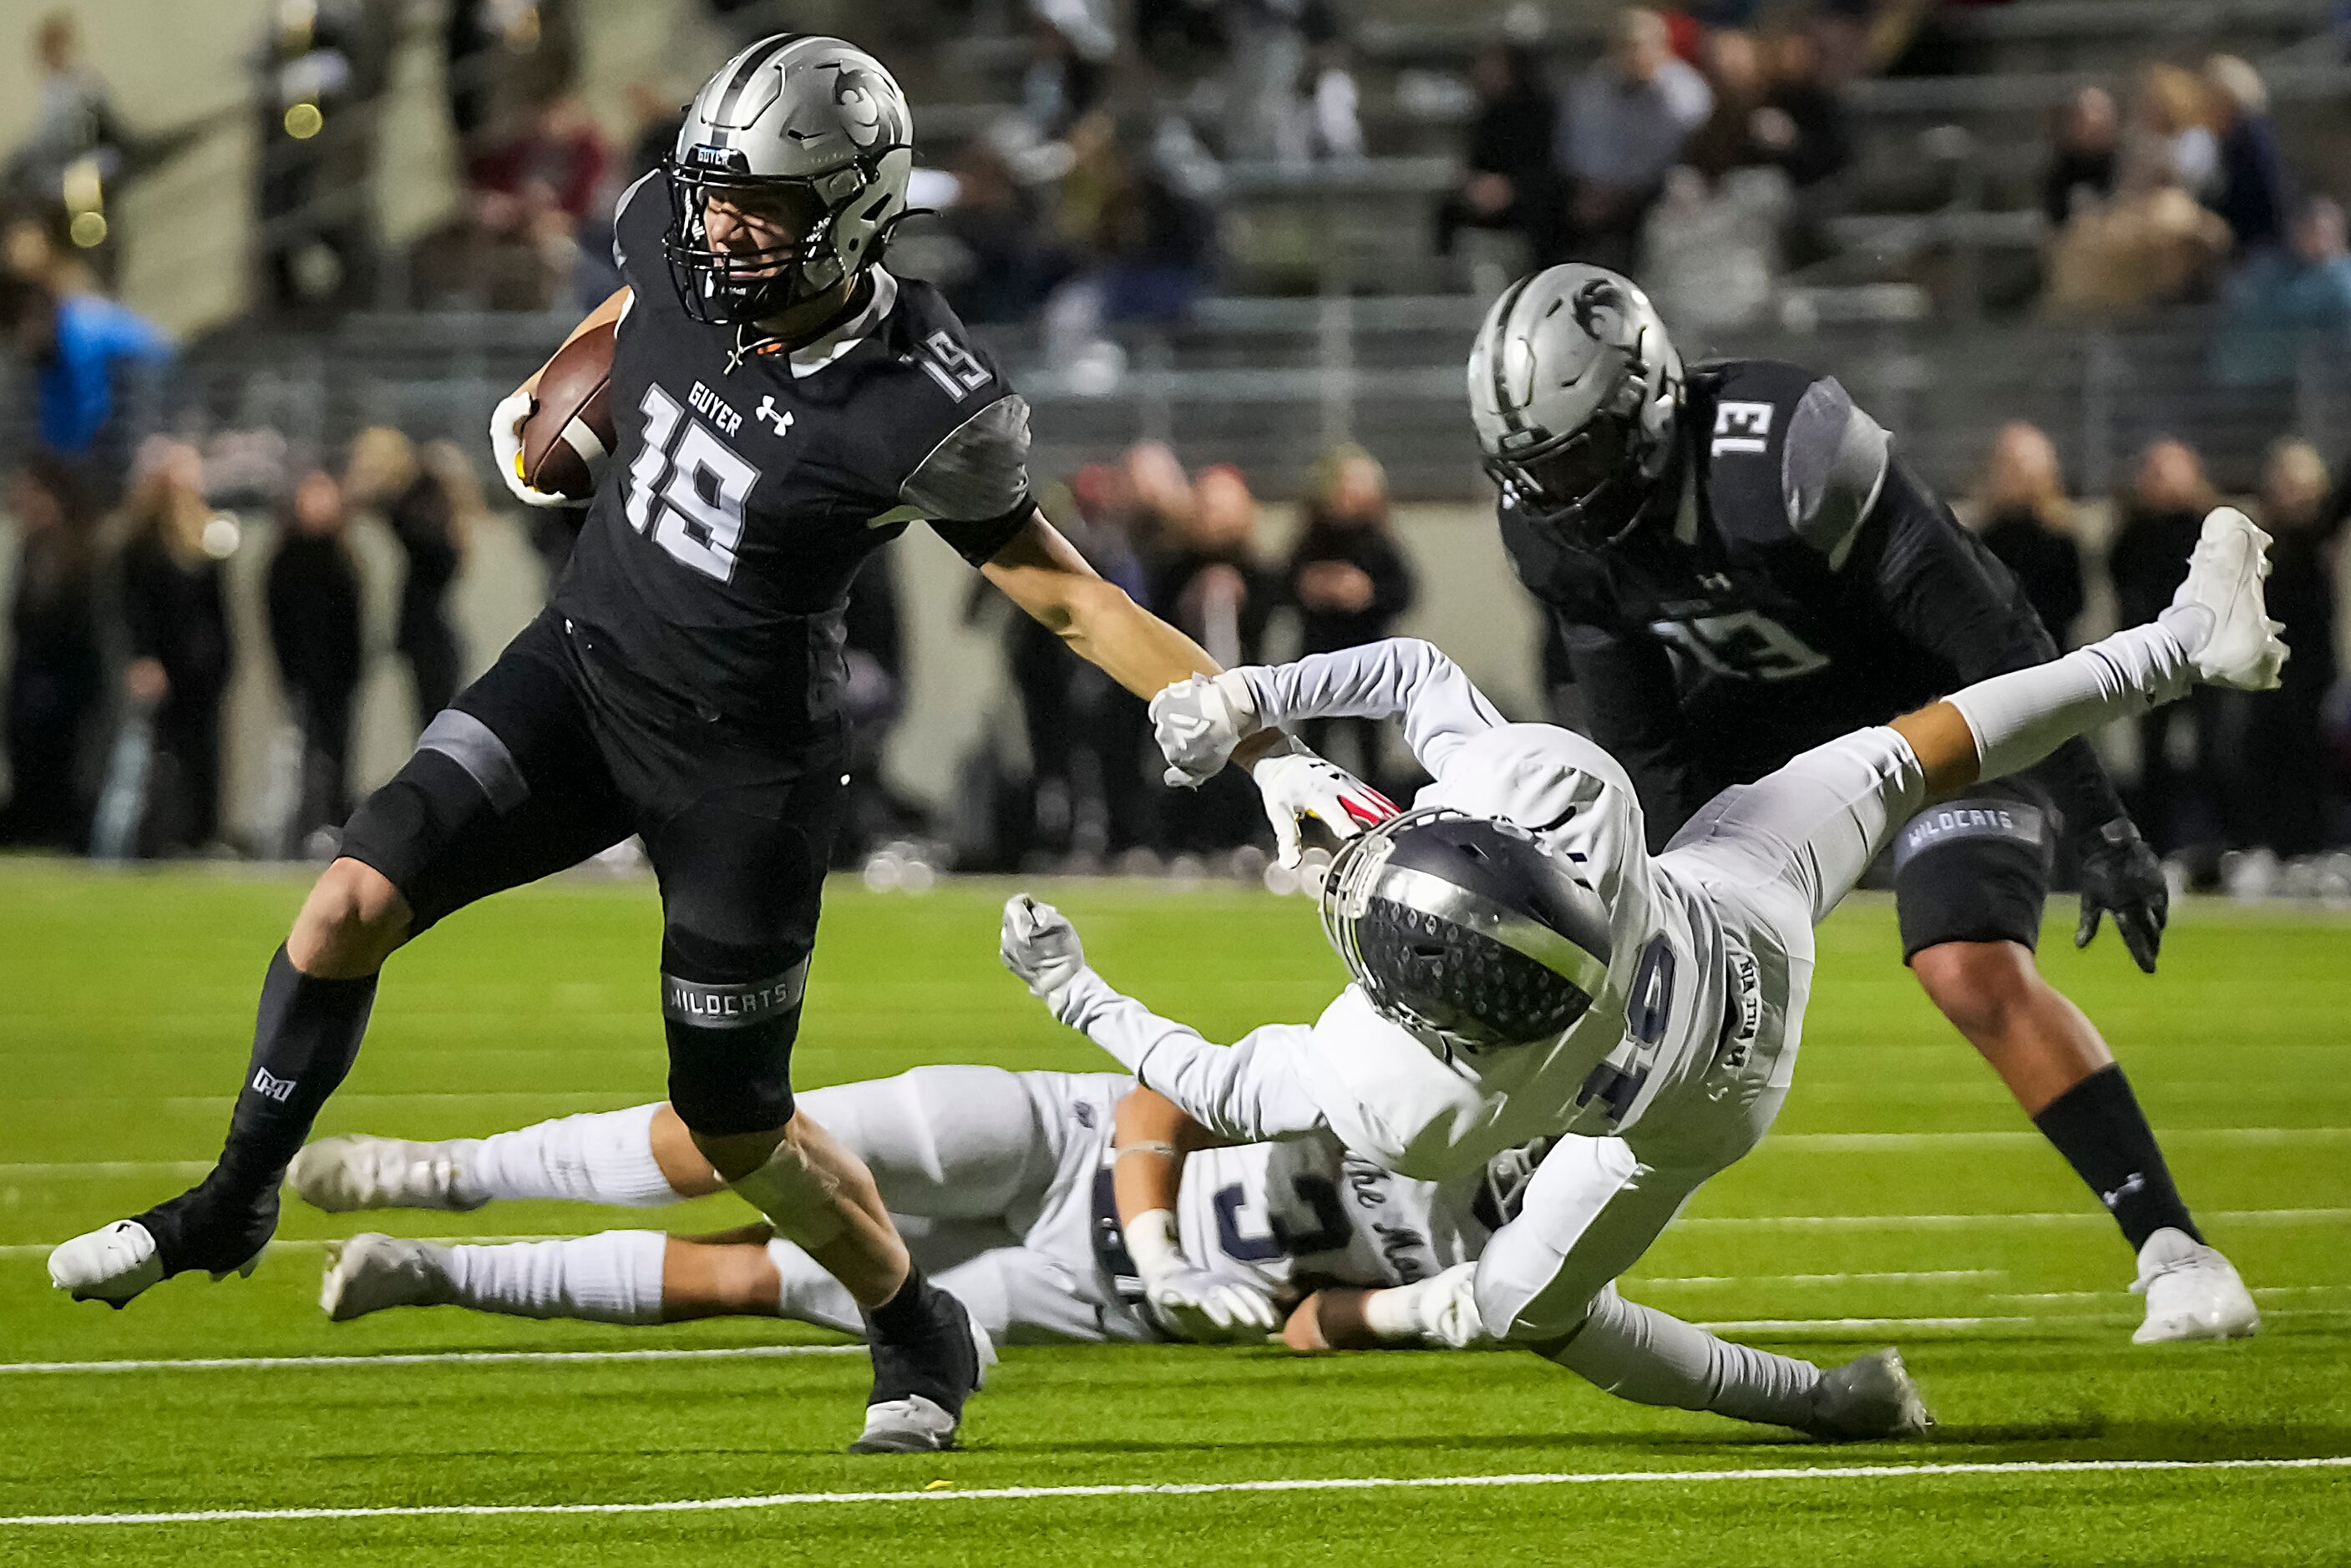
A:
94, 339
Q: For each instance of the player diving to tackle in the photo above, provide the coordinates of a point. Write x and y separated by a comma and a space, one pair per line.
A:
783, 407
1056, 1206
1742, 567
1523, 966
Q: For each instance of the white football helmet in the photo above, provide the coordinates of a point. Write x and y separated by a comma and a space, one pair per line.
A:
1575, 387
817, 134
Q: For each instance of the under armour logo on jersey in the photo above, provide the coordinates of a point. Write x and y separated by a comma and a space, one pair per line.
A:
270, 1086
767, 413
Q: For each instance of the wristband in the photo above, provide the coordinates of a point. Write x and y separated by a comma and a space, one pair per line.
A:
1150, 1146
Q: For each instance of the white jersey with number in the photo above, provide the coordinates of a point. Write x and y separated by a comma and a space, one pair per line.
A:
1681, 992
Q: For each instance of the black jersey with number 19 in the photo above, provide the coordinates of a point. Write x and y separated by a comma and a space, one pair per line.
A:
749, 482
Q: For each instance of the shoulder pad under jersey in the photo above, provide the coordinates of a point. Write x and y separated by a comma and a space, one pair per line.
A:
1788, 452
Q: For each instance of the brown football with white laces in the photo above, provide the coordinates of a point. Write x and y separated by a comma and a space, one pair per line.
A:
568, 433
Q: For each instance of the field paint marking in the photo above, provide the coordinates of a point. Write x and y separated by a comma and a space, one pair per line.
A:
1847, 1143
2066, 1217
430, 1359
312, 1245
1880, 1324
1898, 1277
98, 1167
1190, 1489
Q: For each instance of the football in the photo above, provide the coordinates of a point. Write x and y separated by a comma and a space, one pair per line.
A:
570, 431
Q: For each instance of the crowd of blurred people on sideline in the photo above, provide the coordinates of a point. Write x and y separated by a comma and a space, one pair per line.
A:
124, 639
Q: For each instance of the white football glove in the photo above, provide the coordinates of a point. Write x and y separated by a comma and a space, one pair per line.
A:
1198, 722
1446, 1310
505, 450
1041, 947
1295, 784
1187, 1301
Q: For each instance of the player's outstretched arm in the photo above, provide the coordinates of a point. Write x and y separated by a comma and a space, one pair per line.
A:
1246, 1093
1202, 721
1433, 1314
508, 418
1042, 572
1152, 1136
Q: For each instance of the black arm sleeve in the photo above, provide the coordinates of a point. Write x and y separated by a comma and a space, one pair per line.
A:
1633, 707
1956, 602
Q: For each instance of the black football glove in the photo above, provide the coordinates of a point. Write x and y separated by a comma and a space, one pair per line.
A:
2122, 878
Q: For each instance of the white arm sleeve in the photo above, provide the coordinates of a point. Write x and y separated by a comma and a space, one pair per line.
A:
1247, 1093
1402, 678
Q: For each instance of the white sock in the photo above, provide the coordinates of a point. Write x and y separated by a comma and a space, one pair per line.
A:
603, 1157
1640, 1353
613, 1277
2021, 717
807, 1294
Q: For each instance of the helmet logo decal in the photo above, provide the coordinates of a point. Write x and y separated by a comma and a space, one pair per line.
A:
864, 106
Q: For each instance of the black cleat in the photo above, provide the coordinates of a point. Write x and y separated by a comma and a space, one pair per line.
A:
920, 1384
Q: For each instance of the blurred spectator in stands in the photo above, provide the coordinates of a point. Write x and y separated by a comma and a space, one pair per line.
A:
1804, 125
1266, 78
1148, 235
2085, 150
2281, 767
1727, 141
2168, 139
175, 626
1209, 582
1007, 260
499, 51
1158, 499
55, 674
655, 114
1714, 253
1507, 183
1072, 46
2151, 244
1626, 119
314, 630
2253, 193
431, 502
70, 161
1326, 124
2025, 519
2287, 308
93, 359
541, 199
323, 65
2176, 802
1350, 581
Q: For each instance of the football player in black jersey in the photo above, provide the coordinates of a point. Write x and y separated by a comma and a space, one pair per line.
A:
783, 407
1742, 567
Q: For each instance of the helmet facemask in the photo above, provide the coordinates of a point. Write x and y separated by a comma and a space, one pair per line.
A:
744, 285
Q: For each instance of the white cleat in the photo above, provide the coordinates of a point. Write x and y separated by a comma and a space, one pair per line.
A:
112, 1263
1874, 1396
2191, 1291
370, 1272
2242, 651
342, 1174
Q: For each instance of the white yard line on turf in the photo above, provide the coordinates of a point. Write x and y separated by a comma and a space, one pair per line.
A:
1914, 1276
99, 1167
312, 1245
430, 1358
1856, 1143
1196, 1489
2064, 1216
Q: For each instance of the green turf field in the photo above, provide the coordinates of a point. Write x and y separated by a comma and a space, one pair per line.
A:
1902, 1199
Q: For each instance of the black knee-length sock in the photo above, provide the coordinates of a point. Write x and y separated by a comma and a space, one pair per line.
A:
305, 1038
2098, 1125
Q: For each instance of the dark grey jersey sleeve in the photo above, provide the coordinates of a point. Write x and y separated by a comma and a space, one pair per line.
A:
981, 471
1832, 464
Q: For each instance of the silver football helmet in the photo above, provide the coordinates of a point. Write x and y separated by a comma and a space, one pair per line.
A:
1574, 387
809, 132
1465, 931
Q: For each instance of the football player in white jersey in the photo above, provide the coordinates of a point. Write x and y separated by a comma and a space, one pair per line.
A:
1057, 1206
1523, 967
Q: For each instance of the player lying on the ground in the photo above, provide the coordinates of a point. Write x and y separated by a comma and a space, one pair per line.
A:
1740, 566
1524, 967
782, 406
1047, 1202
1057, 1206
